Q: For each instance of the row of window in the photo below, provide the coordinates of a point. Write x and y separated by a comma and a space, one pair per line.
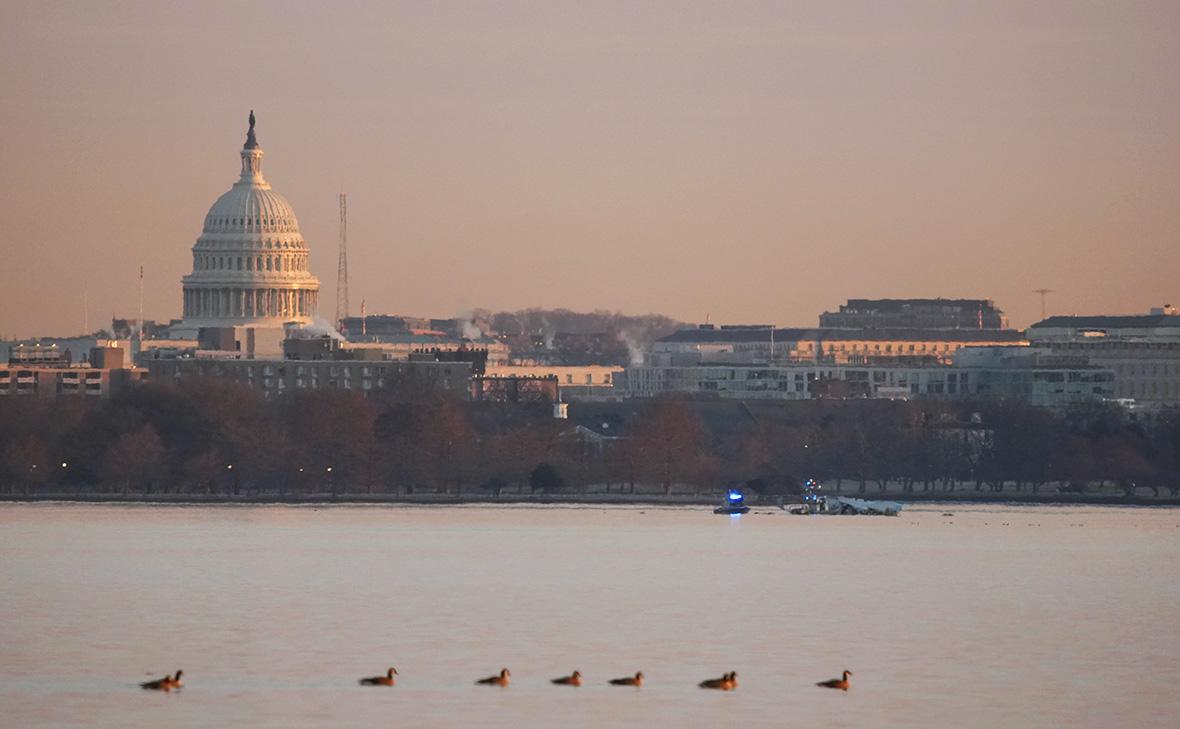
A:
203, 262
1170, 390
250, 222
268, 371
912, 348
30, 374
1153, 370
1117, 344
569, 379
276, 244
1073, 376
67, 388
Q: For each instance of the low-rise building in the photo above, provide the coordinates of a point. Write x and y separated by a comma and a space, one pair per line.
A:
573, 381
58, 351
105, 371
1038, 377
1143, 351
515, 388
791, 381
537, 382
277, 376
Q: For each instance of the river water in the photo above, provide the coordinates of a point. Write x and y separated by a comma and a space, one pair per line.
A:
997, 616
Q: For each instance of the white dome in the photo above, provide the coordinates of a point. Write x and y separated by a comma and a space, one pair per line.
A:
251, 208
251, 267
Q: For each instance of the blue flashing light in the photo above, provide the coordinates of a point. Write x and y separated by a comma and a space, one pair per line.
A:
735, 496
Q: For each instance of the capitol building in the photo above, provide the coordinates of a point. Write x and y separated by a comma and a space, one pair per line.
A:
250, 264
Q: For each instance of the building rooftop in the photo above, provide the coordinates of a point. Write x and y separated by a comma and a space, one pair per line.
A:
1132, 321
885, 305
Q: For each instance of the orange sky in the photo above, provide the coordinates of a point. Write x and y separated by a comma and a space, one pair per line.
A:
745, 161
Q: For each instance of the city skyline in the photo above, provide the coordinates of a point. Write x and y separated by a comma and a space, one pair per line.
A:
746, 165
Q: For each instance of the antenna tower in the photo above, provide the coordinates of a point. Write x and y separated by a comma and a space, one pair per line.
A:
141, 303
342, 265
1043, 292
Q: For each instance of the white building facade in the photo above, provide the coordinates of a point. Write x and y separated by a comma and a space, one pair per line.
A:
1143, 351
250, 263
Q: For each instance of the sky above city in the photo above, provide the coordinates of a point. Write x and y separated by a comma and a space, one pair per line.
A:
745, 162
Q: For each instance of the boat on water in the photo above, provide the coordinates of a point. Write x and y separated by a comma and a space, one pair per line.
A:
734, 503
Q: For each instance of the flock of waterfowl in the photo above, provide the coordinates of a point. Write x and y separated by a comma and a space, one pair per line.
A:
727, 682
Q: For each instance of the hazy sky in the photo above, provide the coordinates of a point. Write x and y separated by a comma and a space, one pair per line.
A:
748, 161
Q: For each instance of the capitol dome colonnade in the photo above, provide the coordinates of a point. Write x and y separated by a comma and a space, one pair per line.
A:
249, 303
250, 263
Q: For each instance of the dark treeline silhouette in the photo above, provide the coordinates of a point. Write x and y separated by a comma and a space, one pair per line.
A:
216, 438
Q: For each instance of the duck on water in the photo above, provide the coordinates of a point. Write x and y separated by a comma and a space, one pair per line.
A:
636, 680
837, 683
727, 682
167, 683
501, 680
386, 680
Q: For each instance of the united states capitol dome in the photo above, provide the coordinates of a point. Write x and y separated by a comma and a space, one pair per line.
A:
250, 263
250, 208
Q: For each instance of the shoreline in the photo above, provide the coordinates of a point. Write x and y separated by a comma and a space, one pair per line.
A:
569, 500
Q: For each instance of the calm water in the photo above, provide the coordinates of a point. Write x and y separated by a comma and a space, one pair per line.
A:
997, 616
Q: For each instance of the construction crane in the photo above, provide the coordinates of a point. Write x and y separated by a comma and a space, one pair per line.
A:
1043, 293
342, 265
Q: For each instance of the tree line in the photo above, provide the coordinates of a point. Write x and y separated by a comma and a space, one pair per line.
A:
212, 437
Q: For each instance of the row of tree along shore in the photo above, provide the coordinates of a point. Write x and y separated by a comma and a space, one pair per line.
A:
212, 440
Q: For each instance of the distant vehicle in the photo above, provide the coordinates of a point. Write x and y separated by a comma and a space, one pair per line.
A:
734, 503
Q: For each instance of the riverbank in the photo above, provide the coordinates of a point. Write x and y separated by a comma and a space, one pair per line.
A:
614, 499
